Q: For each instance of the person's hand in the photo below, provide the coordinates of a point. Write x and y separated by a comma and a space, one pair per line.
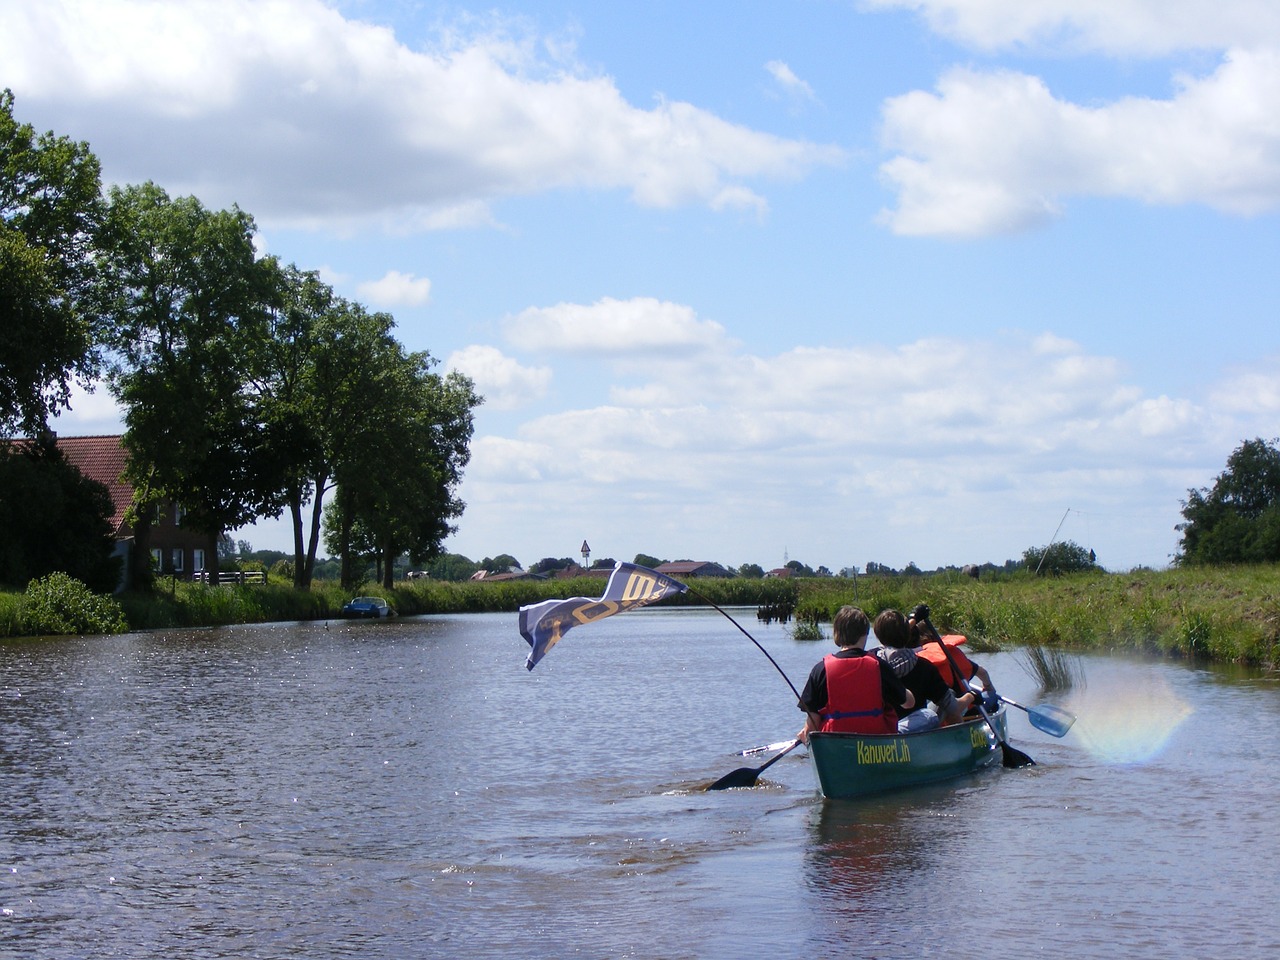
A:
991, 700
803, 735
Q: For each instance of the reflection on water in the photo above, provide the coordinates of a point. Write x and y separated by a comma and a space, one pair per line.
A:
408, 789
1128, 719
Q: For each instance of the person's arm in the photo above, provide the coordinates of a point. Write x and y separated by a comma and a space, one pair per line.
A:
981, 674
893, 690
812, 722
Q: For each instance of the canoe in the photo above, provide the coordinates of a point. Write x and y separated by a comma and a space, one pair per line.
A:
855, 765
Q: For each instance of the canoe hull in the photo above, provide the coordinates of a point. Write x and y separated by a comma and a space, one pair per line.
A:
856, 765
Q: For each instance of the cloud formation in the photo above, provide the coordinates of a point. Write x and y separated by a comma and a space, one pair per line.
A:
504, 383
308, 118
397, 289
1114, 27
642, 326
995, 150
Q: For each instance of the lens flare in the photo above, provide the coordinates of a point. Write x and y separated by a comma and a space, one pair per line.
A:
1127, 719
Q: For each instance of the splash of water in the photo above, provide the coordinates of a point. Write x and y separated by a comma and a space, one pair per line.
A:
1127, 719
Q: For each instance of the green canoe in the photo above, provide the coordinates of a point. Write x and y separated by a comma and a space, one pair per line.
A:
854, 764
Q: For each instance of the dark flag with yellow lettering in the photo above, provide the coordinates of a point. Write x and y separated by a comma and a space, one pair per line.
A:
630, 586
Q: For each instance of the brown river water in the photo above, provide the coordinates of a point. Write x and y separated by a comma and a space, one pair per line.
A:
407, 789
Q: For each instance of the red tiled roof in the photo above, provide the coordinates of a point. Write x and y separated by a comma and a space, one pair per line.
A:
101, 459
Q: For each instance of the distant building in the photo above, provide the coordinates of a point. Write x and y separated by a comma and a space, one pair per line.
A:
175, 550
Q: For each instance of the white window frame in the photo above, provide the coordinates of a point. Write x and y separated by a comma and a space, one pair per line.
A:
157, 559
197, 560
177, 555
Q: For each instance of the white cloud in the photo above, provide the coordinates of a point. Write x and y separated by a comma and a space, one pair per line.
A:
504, 383
992, 152
308, 118
396, 289
1120, 27
786, 79
91, 413
926, 448
630, 329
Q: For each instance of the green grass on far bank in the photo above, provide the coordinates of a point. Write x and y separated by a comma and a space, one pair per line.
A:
1223, 614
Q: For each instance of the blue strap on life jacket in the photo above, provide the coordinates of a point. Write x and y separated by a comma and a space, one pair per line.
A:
842, 714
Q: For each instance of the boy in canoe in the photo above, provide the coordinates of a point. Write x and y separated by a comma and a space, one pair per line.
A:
919, 676
851, 691
925, 639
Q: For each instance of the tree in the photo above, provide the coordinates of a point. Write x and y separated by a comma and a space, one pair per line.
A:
644, 560
1058, 558
419, 441
309, 372
186, 294
551, 564
500, 564
751, 571
1237, 520
50, 211
70, 532
451, 566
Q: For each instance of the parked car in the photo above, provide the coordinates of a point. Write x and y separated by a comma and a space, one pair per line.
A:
367, 608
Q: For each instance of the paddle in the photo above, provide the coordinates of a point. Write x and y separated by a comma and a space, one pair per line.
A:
1051, 719
1011, 756
747, 776
763, 748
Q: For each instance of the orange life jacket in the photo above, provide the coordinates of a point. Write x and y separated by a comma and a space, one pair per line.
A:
933, 653
855, 700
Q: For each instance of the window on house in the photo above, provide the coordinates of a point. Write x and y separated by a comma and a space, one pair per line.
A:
178, 514
197, 560
177, 559
157, 559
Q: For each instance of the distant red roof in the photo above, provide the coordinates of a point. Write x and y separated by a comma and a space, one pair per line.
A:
102, 459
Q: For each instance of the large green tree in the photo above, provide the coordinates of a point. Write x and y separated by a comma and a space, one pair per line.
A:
69, 532
397, 480
50, 209
1237, 520
187, 297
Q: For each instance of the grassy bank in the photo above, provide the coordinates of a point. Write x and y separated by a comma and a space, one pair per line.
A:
1224, 614
1220, 614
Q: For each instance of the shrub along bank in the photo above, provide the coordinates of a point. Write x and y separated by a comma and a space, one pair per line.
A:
1223, 614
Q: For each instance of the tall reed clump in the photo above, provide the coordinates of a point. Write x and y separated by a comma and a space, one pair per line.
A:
10, 615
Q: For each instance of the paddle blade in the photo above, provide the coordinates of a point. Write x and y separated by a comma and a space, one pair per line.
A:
742, 777
1013, 757
747, 776
1051, 719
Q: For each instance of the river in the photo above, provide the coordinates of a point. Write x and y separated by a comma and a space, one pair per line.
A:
407, 789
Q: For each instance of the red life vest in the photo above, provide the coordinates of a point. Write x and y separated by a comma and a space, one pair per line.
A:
933, 653
855, 701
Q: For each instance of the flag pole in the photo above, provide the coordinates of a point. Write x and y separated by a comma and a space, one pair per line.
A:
725, 614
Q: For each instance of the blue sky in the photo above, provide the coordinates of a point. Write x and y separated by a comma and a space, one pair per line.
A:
892, 280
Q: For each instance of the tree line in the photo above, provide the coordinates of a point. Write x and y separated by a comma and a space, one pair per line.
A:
249, 388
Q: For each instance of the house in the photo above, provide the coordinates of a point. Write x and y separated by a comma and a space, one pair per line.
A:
692, 568
175, 551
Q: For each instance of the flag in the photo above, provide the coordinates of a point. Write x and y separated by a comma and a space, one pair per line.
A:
630, 586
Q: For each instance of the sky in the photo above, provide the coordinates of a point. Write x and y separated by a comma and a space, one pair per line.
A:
835, 281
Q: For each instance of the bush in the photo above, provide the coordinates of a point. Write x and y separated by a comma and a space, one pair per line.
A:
60, 604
